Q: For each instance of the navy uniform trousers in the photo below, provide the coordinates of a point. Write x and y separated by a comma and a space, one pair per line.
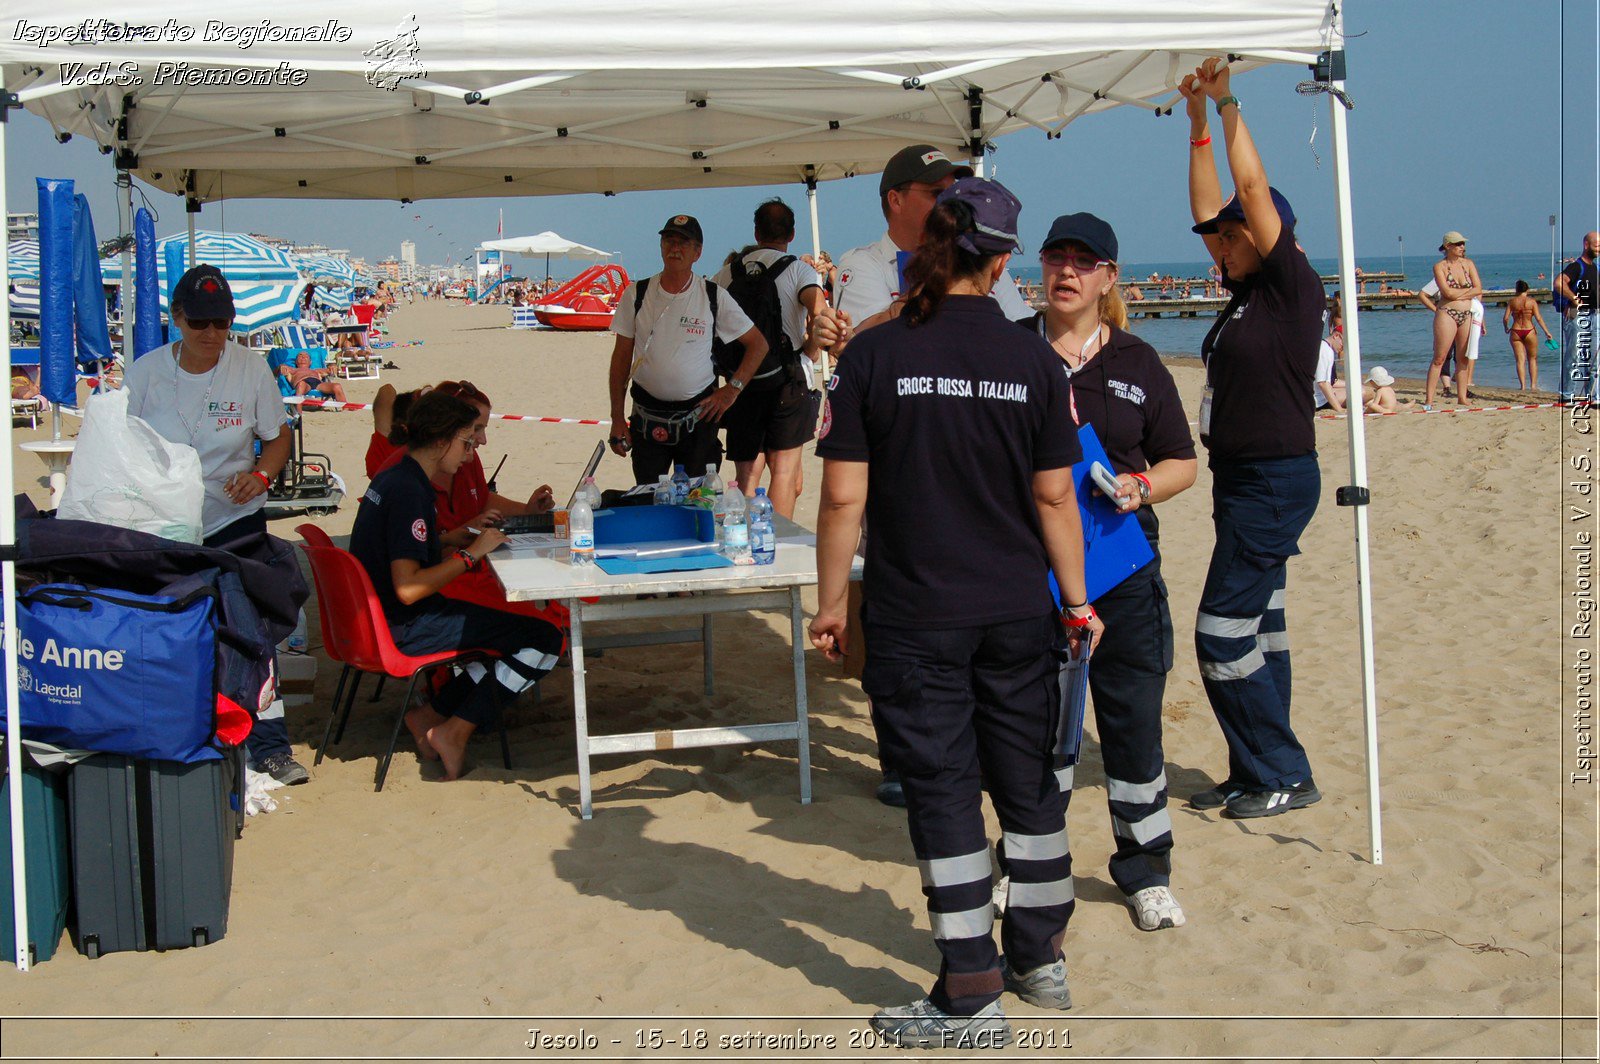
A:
960, 711
1241, 636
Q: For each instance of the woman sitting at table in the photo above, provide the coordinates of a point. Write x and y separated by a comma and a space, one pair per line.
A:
396, 540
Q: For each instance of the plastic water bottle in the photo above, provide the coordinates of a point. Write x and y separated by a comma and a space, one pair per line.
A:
680, 485
296, 643
581, 524
663, 495
712, 486
763, 540
733, 526
591, 492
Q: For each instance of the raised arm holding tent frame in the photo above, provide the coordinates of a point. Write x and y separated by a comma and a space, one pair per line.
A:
856, 88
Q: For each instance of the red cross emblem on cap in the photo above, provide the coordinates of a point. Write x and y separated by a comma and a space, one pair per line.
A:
208, 285
682, 219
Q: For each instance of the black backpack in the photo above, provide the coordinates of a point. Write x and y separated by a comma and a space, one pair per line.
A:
754, 286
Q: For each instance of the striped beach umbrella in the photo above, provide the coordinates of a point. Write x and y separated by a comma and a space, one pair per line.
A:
22, 260
334, 297
265, 281
325, 269
24, 301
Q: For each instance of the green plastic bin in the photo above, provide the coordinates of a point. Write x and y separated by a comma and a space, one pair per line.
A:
44, 811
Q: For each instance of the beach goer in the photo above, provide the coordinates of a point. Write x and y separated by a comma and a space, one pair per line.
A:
1522, 314
777, 414
1256, 419
664, 349
396, 539
305, 380
1377, 395
1575, 284
1121, 388
968, 485
214, 395
1457, 279
1327, 392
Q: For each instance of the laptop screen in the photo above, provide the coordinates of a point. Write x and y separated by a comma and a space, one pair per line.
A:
588, 471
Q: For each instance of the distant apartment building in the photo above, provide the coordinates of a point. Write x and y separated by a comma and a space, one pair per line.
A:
22, 225
408, 252
390, 268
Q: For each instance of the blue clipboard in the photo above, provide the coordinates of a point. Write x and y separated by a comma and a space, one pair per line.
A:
902, 259
1114, 547
1073, 672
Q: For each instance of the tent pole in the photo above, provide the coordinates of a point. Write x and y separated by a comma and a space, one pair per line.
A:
191, 215
8, 577
1358, 460
125, 294
816, 229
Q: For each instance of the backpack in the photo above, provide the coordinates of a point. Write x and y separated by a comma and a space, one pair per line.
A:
754, 286
1558, 302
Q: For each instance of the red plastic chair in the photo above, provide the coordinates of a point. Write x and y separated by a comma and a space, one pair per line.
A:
355, 632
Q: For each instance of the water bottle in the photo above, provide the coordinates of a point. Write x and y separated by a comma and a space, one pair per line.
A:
680, 485
712, 487
663, 495
592, 493
296, 643
763, 540
733, 526
580, 522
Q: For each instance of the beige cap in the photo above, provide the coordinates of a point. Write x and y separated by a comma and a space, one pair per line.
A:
1452, 237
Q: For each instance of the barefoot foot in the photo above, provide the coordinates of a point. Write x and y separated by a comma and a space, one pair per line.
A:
449, 739
418, 720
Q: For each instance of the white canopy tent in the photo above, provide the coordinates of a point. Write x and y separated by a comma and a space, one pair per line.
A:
493, 100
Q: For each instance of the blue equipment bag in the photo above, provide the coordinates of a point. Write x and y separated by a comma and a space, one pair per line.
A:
119, 672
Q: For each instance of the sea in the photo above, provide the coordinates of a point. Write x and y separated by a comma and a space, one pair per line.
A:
1401, 341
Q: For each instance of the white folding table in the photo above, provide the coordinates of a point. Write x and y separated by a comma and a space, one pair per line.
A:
537, 573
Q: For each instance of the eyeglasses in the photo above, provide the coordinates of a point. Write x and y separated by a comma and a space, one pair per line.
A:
202, 324
471, 442
1080, 261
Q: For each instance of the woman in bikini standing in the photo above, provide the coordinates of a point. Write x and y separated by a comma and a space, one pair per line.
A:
1522, 313
1457, 278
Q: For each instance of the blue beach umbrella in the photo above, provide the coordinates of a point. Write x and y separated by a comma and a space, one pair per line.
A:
22, 260
265, 281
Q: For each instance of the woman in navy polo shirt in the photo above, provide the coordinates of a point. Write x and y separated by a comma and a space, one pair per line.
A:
951, 428
396, 539
1256, 421
1121, 388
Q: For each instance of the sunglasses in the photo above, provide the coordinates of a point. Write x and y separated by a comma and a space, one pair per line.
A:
1080, 261
202, 324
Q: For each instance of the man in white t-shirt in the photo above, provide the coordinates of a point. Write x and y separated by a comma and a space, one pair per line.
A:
1327, 392
778, 414
869, 276
664, 344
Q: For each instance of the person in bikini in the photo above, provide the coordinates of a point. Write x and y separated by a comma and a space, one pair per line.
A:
1459, 284
1522, 314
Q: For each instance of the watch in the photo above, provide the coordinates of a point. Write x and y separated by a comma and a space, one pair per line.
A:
1144, 487
736, 384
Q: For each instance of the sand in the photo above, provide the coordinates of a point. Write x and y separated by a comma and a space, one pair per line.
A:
443, 919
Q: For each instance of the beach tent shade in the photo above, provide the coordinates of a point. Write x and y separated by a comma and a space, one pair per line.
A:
22, 260
618, 95
550, 245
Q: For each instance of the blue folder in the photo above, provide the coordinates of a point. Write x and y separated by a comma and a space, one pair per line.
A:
640, 526
1073, 666
1114, 547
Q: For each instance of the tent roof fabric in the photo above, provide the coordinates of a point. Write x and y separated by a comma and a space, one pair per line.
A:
621, 95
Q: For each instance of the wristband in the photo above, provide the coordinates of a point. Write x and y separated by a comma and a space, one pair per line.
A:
1076, 623
1227, 100
619, 439
466, 555
1203, 143
266, 482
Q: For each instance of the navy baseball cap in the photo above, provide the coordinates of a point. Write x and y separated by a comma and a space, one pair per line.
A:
919, 162
1233, 210
994, 212
1086, 229
684, 225
203, 293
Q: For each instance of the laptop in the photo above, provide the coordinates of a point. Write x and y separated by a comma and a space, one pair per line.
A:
518, 524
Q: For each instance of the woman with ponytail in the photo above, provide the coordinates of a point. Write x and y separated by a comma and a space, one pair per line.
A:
396, 539
1121, 388
952, 430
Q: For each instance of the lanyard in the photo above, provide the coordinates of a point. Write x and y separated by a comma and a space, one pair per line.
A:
205, 402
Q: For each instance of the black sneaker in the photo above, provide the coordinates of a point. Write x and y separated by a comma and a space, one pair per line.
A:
1272, 803
1216, 797
285, 769
890, 792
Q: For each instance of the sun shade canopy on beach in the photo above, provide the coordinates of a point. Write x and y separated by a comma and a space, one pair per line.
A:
466, 99
551, 245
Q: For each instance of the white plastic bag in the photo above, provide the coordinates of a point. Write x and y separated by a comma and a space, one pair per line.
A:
125, 474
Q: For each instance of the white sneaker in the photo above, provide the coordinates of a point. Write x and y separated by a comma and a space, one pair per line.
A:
1155, 908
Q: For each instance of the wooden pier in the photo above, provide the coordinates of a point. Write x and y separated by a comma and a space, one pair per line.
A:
1196, 306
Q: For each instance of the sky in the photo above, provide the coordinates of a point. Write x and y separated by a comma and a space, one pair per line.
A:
1463, 120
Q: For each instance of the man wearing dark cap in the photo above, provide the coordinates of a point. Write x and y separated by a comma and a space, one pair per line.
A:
664, 327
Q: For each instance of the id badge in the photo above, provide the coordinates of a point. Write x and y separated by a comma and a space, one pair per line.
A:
1205, 411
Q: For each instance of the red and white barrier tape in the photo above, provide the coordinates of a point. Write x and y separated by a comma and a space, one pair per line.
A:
1454, 410
333, 404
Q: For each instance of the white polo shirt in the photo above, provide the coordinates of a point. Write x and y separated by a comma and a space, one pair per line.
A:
869, 280
672, 336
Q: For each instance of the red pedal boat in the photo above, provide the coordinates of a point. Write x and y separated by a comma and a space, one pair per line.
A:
586, 302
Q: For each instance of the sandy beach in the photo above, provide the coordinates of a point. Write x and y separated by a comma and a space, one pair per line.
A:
446, 920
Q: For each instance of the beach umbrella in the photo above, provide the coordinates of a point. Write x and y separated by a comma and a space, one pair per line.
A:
550, 245
265, 281
24, 301
334, 297
325, 269
22, 260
